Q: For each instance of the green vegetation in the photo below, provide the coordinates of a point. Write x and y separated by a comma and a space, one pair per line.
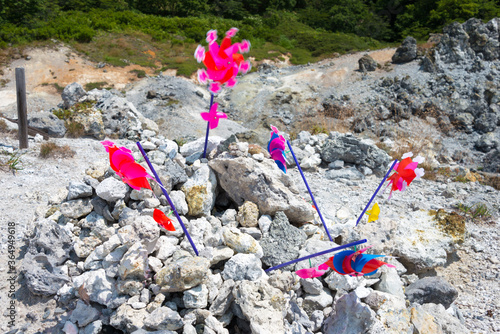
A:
12, 161
139, 73
98, 85
58, 88
477, 210
164, 33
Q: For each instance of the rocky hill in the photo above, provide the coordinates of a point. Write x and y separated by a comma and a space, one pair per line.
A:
94, 261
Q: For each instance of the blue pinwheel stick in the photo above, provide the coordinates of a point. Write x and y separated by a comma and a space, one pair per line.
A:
362, 241
309, 190
208, 126
168, 198
376, 191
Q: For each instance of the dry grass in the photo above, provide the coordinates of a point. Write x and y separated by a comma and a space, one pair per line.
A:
338, 110
52, 150
322, 124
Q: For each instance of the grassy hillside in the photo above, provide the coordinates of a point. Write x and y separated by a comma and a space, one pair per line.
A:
119, 38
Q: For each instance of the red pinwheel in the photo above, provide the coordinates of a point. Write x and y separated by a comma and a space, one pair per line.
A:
213, 116
312, 272
223, 62
276, 148
123, 163
406, 172
163, 220
353, 263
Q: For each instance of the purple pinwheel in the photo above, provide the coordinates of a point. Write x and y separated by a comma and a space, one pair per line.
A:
276, 148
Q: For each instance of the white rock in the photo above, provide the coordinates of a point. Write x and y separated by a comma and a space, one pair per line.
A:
111, 189
196, 297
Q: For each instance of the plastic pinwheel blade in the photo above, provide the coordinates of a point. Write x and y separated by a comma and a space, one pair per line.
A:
373, 213
118, 158
231, 32
202, 76
133, 170
211, 36
163, 220
138, 183
199, 54
335, 262
215, 87
310, 272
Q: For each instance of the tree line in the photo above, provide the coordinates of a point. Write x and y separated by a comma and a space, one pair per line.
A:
384, 20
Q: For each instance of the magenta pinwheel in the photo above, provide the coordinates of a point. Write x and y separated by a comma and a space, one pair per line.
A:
312, 272
122, 162
223, 62
213, 116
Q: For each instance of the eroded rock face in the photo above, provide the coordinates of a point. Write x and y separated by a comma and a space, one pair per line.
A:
244, 179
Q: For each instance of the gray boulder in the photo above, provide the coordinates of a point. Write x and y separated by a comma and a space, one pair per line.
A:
243, 267
76, 208
367, 63
120, 117
434, 290
51, 240
487, 142
484, 38
454, 46
491, 161
264, 184
78, 190
71, 94
350, 316
283, 241
48, 122
83, 314
42, 276
406, 52
183, 274
348, 148
200, 190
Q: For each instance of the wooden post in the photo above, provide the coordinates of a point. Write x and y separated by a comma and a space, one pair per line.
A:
22, 111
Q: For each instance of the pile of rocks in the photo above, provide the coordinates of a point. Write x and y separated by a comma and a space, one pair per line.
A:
109, 265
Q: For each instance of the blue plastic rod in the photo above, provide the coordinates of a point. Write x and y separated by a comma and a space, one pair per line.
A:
317, 254
208, 126
168, 198
309, 190
376, 191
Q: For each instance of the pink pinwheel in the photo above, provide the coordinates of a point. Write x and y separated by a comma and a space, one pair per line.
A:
213, 116
312, 272
123, 163
223, 62
406, 172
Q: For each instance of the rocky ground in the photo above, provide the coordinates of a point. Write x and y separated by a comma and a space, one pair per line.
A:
93, 260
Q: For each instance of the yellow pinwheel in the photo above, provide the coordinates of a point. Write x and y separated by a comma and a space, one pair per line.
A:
373, 213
